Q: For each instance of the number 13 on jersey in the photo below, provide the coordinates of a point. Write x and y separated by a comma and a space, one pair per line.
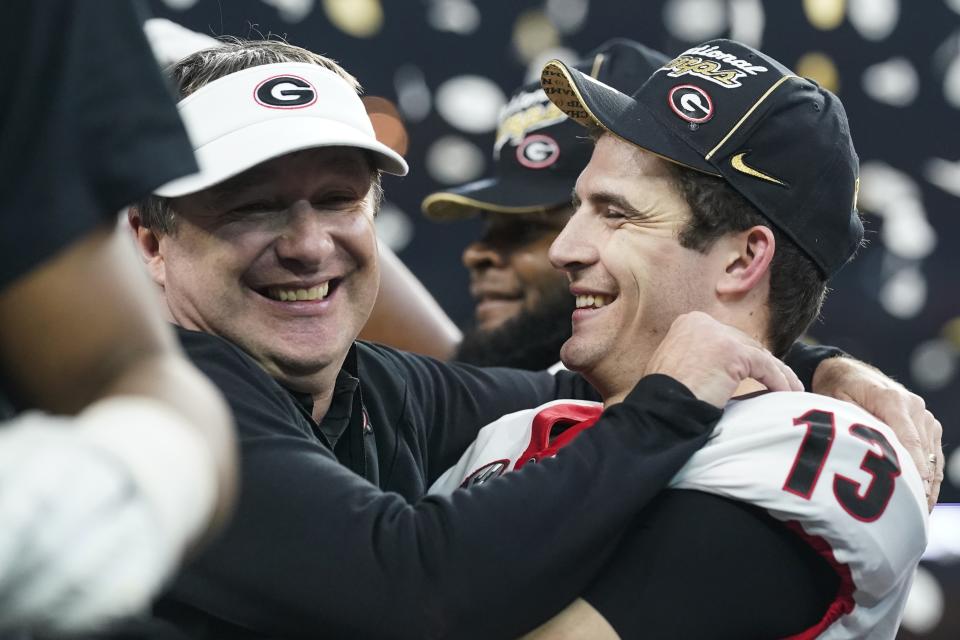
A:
880, 462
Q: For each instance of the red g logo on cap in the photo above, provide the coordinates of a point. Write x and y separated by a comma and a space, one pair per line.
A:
691, 103
285, 92
538, 151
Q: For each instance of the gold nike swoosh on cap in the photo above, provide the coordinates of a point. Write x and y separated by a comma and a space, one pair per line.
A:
742, 167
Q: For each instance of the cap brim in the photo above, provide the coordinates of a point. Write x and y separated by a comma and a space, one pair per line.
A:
502, 194
592, 103
245, 148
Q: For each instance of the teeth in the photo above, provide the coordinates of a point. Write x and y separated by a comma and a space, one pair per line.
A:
591, 301
290, 295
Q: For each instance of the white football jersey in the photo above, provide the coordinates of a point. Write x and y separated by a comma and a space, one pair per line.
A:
834, 473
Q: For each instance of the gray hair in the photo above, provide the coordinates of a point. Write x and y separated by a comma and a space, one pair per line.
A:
233, 54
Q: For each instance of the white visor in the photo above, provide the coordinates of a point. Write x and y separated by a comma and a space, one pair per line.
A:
245, 118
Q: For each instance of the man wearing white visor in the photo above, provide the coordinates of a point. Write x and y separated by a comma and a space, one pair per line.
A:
283, 113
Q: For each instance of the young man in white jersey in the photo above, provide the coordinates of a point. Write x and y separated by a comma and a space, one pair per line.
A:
723, 190
523, 305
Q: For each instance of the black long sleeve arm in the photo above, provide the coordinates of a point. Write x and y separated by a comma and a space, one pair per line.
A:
695, 565
805, 358
318, 551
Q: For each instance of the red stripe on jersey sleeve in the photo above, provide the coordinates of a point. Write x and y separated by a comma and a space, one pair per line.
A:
541, 445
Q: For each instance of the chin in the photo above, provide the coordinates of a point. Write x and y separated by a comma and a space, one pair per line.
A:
573, 356
303, 365
492, 324
289, 366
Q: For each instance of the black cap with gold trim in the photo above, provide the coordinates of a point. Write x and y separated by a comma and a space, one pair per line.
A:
726, 109
539, 152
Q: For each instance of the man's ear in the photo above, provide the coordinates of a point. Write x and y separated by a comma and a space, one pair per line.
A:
749, 254
148, 243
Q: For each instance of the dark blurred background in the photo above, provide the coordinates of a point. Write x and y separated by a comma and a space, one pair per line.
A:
437, 71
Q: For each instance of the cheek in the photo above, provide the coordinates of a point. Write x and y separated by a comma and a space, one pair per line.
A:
200, 260
360, 235
196, 243
238, 254
531, 266
645, 271
536, 274
356, 241
181, 254
531, 262
673, 281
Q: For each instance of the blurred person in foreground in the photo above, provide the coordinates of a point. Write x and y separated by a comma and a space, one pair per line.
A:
116, 455
801, 517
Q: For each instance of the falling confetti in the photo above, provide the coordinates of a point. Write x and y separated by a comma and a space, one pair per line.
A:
470, 103
358, 18
819, 67
454, 160
824, 14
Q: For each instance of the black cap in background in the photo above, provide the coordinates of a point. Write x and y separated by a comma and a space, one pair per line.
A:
539, 152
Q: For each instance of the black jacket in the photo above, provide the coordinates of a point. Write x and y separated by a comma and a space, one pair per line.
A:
343, 543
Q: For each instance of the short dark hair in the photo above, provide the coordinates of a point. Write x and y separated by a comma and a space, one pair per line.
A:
797, 286
234, 54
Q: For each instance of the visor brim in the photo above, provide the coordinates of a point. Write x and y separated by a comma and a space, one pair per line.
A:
249, 146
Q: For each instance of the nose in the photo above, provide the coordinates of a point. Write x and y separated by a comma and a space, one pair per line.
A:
573, 249
306, 239
480, 255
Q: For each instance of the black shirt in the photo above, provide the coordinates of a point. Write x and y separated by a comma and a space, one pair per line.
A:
87, 124
344, 543
696, 565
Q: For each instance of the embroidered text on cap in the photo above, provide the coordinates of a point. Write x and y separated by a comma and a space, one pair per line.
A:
704, 62
526, 112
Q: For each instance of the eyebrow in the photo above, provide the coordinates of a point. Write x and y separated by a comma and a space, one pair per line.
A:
609, 198
235, 186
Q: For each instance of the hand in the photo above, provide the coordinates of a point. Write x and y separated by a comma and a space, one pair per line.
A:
79, 546
904, 412
712, 359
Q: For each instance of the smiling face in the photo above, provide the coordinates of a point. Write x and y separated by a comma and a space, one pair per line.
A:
280, 260
510, 272
630, 274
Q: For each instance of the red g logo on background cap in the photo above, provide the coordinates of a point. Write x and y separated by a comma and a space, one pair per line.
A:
538, 151
691, 103
285, 92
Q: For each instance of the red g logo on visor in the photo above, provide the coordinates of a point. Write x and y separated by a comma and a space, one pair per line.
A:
538, 151
285, 92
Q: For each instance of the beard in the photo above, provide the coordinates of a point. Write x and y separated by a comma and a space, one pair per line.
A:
531, 340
